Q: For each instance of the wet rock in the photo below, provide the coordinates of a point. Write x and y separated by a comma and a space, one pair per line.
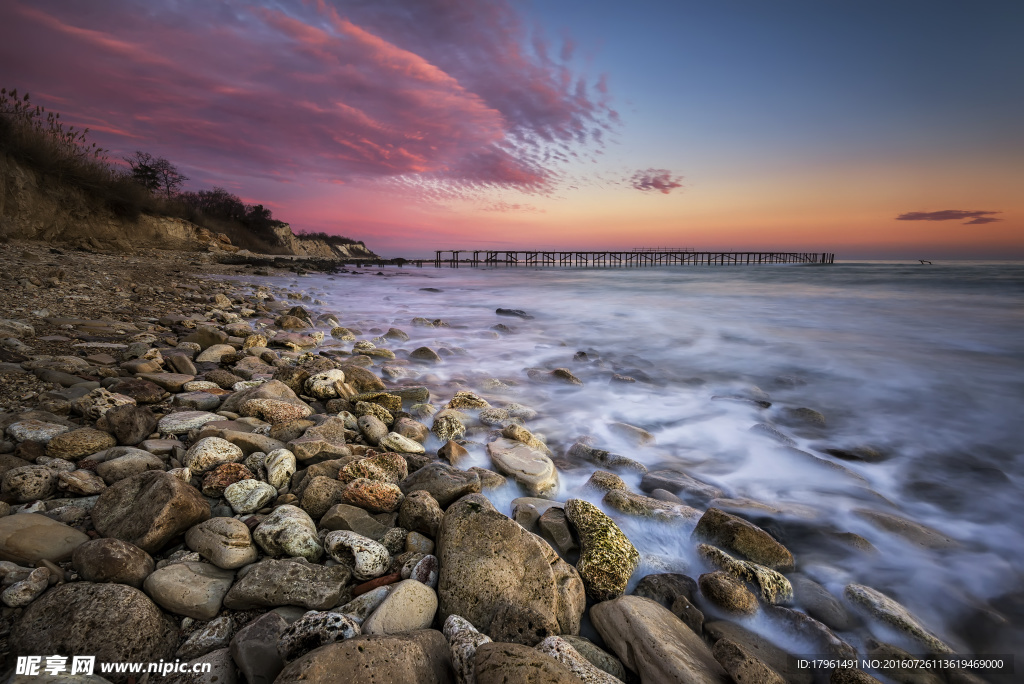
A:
98, 402
313, 630
852, 676
29, 483
409, 658
74, 445
564, 652
645, 506
758, 647
736, 534
566, 376
410, 606
820, 604
346, 517
504, 580
421, 513
894, 615
655, 643
728, 593
114, 622
248, 496
216, 634
148, 509
503, 663
373, 428
223, 476
254, 649
773, 586
225, 542
804, 416
527, 466
605, 459
822, 638
488, 478
914, 532
133, 463
680, 483
518, 433
607, 558
772, 433
289, 531
131, 424
424, 355
192, 589
554, 527
742, 666
271, 583
443, 482
447, 427
112, 560
368, 558
631, 433
374, 496
603, 481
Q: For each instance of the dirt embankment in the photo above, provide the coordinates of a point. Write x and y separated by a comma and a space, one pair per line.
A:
55, 213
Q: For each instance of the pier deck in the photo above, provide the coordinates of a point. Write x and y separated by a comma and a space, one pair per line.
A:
637, 258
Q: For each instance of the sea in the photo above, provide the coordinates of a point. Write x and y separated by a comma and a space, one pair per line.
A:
917, 370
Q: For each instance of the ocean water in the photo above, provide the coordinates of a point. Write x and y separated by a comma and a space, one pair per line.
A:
923, 364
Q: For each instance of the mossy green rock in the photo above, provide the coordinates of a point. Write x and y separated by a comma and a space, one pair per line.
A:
746, 538
608, 557
774, 587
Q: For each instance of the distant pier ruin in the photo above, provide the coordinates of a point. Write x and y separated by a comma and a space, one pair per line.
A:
636, 258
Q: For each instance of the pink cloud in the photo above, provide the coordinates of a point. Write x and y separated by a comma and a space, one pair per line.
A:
662, 180
448, 97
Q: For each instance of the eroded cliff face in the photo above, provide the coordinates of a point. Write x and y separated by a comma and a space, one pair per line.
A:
56, 214
311, 247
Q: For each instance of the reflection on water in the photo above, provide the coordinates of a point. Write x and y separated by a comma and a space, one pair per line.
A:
918, 372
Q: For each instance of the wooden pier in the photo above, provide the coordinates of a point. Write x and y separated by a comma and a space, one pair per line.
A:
636, 258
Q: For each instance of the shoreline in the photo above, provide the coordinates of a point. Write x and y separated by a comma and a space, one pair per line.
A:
334, 458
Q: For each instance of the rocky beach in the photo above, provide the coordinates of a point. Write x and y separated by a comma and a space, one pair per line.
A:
207, 463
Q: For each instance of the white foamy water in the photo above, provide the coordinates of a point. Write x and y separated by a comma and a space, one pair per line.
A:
923, 363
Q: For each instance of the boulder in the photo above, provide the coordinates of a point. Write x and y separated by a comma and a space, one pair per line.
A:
419, 657
654, 643
506, 581
728, 593
112, 560
148, 509
114, 622
193, 589
31, 537
290, 582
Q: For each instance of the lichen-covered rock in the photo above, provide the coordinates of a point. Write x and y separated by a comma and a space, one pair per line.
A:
374, 496
447, 427
745, 538
504, 580
275, 411
648, 507
895, 615
148, 509
774, 588
74, 445
99, 401
467, 400
290, 532
313, 630
368, 558
607, 557
365, 408
248, 496
421, 513
742, 666
29, 483
223, 476
385, 467
401, 444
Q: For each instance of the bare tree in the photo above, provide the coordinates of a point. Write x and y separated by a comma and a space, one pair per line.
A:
155, 173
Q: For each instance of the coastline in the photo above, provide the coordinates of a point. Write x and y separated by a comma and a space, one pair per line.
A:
123, 290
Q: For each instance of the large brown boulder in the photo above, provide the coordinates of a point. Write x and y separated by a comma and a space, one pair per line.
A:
518, 664
114, 622
31, 537
509, 583
419, 657
149, 509
654, 643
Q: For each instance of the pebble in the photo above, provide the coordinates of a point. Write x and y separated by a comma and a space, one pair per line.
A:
289, 531
463, 640
401, 444
184, 421
370, 558
210, 452
215, 634
225, 542
248, 496
27, 590
363, 605
35, 431
280, 465
727, 593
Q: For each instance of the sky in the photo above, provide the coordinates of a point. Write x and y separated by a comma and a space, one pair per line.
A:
872, 129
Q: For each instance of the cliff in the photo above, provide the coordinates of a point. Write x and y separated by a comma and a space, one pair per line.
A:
57, 214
